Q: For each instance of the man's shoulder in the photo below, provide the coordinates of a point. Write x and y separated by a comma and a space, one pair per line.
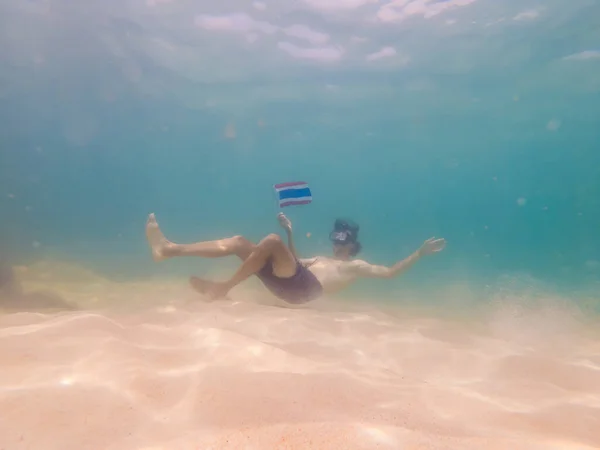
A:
359, 263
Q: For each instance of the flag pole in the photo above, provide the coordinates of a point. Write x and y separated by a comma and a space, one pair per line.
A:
276, 198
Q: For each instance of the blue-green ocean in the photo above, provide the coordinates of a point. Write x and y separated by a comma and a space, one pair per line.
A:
476, 121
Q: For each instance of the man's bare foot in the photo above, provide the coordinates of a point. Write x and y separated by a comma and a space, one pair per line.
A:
157, 240
212, 289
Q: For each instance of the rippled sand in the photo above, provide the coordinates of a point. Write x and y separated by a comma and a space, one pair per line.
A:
149, 366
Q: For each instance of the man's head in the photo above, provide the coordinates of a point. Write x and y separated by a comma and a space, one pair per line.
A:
345, 239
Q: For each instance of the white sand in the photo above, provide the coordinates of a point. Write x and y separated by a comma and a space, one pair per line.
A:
151, 367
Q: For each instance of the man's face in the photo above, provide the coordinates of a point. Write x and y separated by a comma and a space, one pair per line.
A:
343, 251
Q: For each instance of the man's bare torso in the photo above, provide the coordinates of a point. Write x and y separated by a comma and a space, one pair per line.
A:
334, 275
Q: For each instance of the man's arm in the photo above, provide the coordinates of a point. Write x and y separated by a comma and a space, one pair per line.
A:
366, 270
286, 224
291, 245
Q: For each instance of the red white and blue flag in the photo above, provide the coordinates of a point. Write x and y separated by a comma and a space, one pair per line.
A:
293, 193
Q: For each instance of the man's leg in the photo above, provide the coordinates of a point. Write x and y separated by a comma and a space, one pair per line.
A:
162, 248
270, 249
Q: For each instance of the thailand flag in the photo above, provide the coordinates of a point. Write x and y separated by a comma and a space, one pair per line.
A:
294, 193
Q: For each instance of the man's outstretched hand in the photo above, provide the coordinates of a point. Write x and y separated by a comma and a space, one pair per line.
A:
285, 223
432, 245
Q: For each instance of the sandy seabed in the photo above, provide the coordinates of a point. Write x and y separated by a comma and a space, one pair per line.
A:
149, 365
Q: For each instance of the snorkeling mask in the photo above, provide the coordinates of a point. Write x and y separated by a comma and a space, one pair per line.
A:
344, 232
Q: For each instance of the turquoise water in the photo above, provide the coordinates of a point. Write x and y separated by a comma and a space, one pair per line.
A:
472, 120
476, 121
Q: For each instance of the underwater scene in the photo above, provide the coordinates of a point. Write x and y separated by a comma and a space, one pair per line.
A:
299, 224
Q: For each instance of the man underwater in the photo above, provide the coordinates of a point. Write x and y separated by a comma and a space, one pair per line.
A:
277, 265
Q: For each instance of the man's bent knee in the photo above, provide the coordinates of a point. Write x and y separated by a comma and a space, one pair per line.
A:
242, 246
272, 240
241, 241
283, 261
